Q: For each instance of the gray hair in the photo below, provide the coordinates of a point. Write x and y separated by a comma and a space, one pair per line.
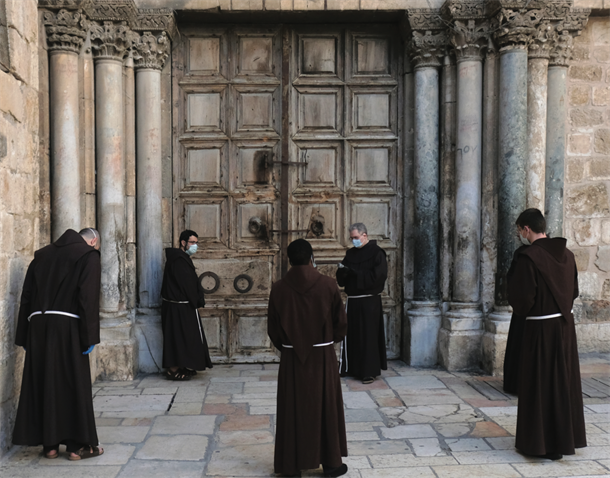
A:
358, 226
89, 233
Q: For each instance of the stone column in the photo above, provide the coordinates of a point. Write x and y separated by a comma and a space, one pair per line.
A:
537, 69
427, 49
109, 43
66, 31
561, 50
150, 54
460, 336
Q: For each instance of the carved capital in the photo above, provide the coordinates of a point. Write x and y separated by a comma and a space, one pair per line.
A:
464, 9
515, 29
427, 49
112, 11
469, 39
542, 41
62, 4
111, 40
66, 30
564, 32
157, 20
150, 51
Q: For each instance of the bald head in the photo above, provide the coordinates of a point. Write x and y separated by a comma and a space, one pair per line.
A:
91, 237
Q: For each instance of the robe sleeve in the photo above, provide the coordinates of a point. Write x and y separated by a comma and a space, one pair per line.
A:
576, 291
522, 287
188, 282
89, 300
24, 308
273, 322
201, 295
341, 275
339, 317
373, 278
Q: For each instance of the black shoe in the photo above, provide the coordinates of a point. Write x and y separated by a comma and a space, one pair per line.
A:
553, 456
340, 470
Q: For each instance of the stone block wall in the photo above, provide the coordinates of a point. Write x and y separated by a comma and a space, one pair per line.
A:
587, 187
19, 125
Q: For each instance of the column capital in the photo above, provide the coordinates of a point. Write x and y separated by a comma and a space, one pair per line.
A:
515, 29
564, 32
112, 11
428, 38
542, 41
66, 30
150, 51
111, 40
469, 38
157, 20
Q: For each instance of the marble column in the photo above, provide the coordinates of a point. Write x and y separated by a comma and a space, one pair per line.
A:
424, 316
151, 51
561, 50
109, 45
537, 69
66, 31
462, 326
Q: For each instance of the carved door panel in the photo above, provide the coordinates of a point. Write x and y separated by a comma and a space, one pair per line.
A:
345, 92
333, 135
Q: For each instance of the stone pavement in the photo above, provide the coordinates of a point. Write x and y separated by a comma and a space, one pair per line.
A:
409, 423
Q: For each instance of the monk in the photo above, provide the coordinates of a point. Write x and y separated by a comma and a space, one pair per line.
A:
363, 273
185, 348
305, 317
542, 288
58, 327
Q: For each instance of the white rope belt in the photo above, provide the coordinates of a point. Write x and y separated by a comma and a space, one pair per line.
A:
176, 301
542, 317
54, 312
315, 345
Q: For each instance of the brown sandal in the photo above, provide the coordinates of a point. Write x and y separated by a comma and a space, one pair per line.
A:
177, 376
52, 454
84, 453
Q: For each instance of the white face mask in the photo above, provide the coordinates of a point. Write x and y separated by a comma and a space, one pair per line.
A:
191, 250
525, 240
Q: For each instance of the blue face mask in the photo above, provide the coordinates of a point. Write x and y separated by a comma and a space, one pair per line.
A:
191, 250
357, 243
313, 263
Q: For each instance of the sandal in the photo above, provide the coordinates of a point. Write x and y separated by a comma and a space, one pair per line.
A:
84, 453
52, 454
188, 371
367, 380
177, 376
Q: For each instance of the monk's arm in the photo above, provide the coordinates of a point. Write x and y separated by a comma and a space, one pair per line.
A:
339, 318
522, 286
24, 309
375, 277
576, 291
188, 282
89, 300
273, 322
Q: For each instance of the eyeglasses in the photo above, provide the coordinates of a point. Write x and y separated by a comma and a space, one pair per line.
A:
193, 242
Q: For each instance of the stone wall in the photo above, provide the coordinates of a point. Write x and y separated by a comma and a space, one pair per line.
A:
587, 207
19, 185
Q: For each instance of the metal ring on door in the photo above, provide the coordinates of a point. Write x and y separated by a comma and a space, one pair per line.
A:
216, 282
243, 290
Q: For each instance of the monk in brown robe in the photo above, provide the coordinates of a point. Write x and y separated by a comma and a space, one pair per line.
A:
58, 326
543, 286
185, 348
305, 317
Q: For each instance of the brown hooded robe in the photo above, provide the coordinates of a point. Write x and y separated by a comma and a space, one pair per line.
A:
305, 308
550, 417
56, 403
184, 342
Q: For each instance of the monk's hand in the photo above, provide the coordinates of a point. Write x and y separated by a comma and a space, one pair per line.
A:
88, 351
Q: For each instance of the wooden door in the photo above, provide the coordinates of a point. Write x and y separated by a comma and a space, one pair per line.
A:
283, 132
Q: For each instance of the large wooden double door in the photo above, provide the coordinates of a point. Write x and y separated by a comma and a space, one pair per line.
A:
284, 132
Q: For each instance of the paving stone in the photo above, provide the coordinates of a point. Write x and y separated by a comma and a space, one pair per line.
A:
186, 408
232, 379
492, 456
22, 456
478, 471
362, 415
224, 409
137, 422
426, 447
415, 383
378, 447
358, 400
134, 414
408, 431
590, 453
229, 388
233, 423
249, 397
413, 472
404, 460
456, 413
108, 422
178, 447
501, 443
494, 412
131, 403
452, 430
600, 408
269, 410
63, 470
362, 426
201, 425
362, 436
252, 460
598, 439
159, 391
113, 455
467, 444
357, 385
120, 434
119, 391
560, 468
161, 469
357, 462
238, 438
189, 395
431, 397
389, 402
488, 429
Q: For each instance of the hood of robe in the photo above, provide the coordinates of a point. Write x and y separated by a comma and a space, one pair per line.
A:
558, 268
302, 280
364, 253
55, 261
173, 253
